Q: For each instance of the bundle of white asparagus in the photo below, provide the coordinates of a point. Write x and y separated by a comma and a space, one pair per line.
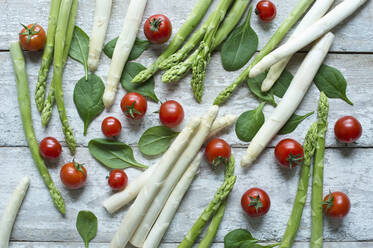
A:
160, 189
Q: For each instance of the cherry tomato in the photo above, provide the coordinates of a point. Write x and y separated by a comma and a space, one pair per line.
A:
289, 153
158, 29
73, 175
50, 148
255, 202
171, 113
336, 205
111, 126
134, 105
32, 37
118, 179
266, 10
347, 129
218, 152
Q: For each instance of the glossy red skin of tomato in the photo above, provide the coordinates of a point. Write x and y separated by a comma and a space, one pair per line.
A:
71, 177
140, 106
117, 180
251, 210
287, 148
50, 148
217, 148
111, 126
341, 205
158, 29
266, 10
171, 113
347, 129
37, 41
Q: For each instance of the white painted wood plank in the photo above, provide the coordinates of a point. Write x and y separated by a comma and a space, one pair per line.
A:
346, 170
353, 35
356, 69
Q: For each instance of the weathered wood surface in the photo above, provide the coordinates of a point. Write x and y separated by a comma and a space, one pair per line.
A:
347, 169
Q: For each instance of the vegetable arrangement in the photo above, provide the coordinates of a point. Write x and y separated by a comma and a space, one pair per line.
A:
160, 188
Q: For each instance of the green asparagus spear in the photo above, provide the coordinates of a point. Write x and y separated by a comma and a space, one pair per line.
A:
58, 65
213, 207
218, 217
289, 22
47, 55
191, 22
19, 66
49, 102
300, 199
318, 174
176, 72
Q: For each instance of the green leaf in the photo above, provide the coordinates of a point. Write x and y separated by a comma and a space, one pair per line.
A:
249, 123
331, 81
79, 48
282, 84
241, 238
86, 224
129, 72
88, 98
255, 85
138, 48
240, 46
293, 122
156, 140
113, 154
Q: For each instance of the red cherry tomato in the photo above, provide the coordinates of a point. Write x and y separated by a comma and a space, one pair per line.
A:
266, 10
171, 113
50, 148
118, 179
73, 175
336, 205
111, 126
289, 153
218, 152
255, 202
134, 105
32, 37
347, 129
158, 29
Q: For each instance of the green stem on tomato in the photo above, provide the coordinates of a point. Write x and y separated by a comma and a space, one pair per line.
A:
24, 102
284, 28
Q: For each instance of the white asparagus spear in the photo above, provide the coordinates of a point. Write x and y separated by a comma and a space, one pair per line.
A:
137, 211
122, 198
291, 100
100, 24
168, 212
319, 8
315, 31
11, 211
177, 171
123, 48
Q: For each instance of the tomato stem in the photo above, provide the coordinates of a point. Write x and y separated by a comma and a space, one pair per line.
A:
256, 202
29, 32
155, 23
329, 202
79, 167
131, 110
294, 160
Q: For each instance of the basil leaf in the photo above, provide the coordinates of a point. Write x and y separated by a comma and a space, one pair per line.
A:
79, 48
129, 72
282, 84
156, 140
255, 85
240, 46
240, 238
88, 98
138, 48
331, 81
293, 122
86, 224
113, 154
249, 123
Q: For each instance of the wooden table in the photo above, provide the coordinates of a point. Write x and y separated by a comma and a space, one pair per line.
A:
347, 168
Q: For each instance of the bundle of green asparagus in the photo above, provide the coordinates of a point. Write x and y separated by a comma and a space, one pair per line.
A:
60, 32
207, 38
